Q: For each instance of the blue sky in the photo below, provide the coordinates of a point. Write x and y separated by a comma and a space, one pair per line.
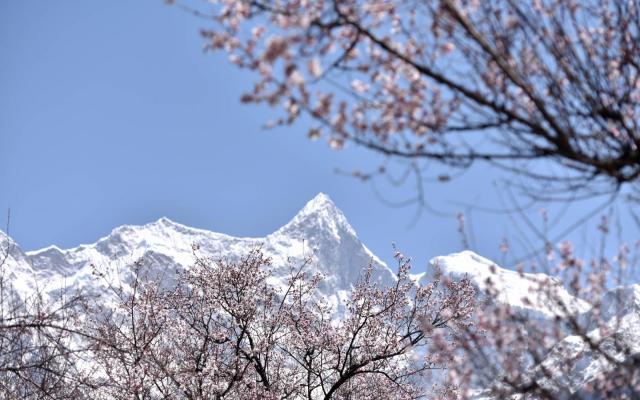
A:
111, 114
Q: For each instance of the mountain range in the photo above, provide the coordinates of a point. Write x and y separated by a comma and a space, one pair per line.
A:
321, 231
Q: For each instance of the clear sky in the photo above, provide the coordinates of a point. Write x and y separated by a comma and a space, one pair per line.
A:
111, 114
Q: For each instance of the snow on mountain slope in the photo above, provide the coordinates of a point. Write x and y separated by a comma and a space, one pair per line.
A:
320, 229
614, 323
615, 333
537, 295
16, 269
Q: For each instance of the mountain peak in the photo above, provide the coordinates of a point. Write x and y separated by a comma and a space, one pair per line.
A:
321, 207
319, 202
164, 221
161, 226
319, 214
167, 223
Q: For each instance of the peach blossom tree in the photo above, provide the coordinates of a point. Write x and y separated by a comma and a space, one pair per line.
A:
228, 331
525, 85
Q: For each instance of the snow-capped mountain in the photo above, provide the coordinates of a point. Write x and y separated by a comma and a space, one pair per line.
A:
319, 230
613, 324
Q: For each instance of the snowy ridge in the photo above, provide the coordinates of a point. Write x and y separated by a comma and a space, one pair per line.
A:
526, 292
319, 230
